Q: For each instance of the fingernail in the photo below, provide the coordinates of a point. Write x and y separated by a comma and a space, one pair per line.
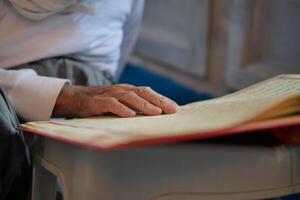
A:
171, 108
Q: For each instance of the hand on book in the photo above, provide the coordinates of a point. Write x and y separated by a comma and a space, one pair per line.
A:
121, 99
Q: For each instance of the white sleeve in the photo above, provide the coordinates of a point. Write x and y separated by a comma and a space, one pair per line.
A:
32, 96
40, 9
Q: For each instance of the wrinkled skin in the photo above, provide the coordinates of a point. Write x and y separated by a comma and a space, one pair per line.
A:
123, 100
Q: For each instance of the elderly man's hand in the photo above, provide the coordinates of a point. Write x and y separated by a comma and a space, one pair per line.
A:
122, 99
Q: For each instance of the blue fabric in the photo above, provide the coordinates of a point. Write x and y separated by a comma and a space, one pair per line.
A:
292, 197
161, 84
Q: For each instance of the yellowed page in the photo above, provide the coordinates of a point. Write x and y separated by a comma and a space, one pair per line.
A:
216, 114
282, 85
286, 86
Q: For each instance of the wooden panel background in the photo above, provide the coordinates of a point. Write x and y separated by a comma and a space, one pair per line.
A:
175, 32
221, 45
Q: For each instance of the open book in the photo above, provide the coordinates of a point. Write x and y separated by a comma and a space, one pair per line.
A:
270, 104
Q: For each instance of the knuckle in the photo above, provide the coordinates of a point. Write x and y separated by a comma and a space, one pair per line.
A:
143, 89
125, 95
144, 105
162, 101
120, 108
125, 85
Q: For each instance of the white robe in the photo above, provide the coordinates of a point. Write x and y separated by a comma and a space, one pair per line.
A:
90, 30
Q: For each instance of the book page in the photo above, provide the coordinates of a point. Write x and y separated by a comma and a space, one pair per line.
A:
282, 85
198, 117
106, 131
286, 86
109, 131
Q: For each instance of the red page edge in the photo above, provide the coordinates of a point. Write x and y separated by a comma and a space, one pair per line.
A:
242, 129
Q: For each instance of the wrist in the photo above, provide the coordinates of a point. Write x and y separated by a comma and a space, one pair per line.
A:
63, 104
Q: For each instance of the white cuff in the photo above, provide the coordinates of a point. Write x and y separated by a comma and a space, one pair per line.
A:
34, 97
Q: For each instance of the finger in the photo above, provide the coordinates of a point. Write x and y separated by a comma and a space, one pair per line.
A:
125, 86
108, 90
109, 104
139, 103
167, 105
